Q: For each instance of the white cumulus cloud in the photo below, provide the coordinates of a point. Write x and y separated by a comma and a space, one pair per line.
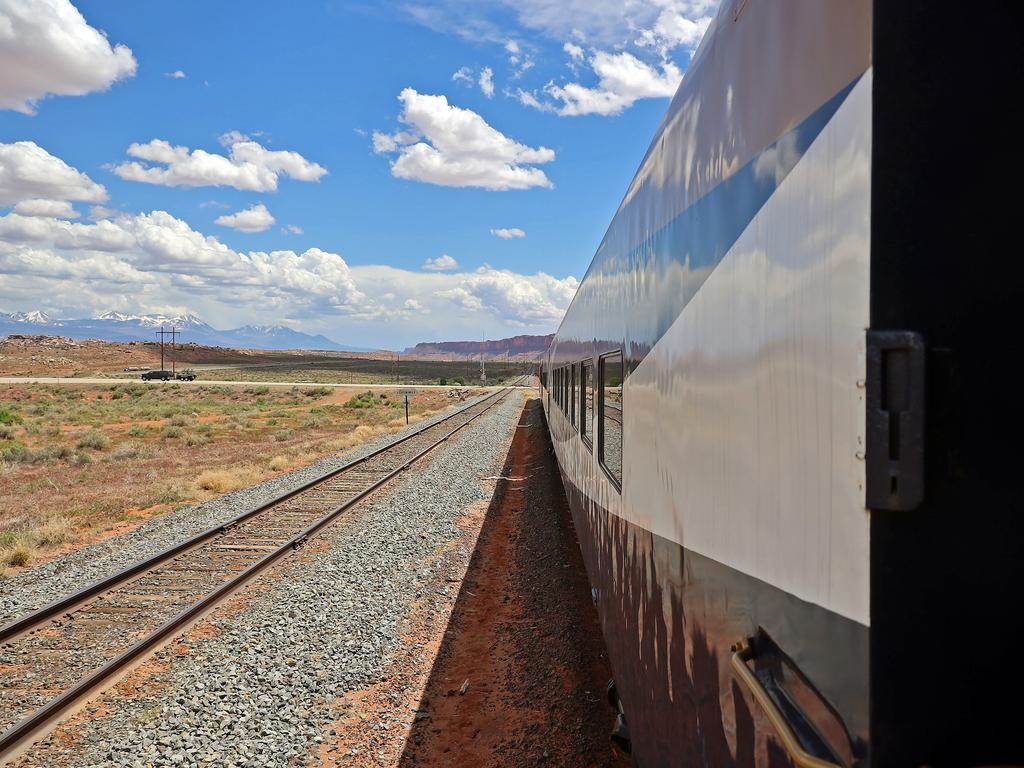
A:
443, 263
162, 249
157, 258
608, 23
55, 209
254, 219
27, 171
147, 262
507, 233
575, 52
47, 47
176, 75
517, 299
633, 50
455, 147
623, 79
679, 24
248, 165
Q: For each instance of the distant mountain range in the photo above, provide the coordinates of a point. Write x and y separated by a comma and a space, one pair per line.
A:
118, 326
516, 347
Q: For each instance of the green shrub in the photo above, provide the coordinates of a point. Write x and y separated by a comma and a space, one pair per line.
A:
316, 421
52, 453
9, 417
136, 430
171, 431
180, 420
192, 439
363, 400
94, 439
317, 392
281, 435
15, 452
130, 450
7, 432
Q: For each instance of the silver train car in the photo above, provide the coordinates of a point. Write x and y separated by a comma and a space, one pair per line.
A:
777, 406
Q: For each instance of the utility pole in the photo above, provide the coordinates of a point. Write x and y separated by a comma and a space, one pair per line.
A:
173, 334
399, 371
483, 346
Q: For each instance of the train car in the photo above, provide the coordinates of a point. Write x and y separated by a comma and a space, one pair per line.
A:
780, 405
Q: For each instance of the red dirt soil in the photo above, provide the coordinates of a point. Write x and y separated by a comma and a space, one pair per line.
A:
521, 672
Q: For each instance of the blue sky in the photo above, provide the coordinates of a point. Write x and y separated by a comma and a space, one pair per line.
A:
414, 132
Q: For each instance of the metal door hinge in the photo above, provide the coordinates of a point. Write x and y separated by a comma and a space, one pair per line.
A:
895, 420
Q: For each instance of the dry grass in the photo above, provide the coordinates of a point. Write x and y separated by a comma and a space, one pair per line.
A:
53, 532
18, 555
220, 481
19, 545
148, 450
217, 480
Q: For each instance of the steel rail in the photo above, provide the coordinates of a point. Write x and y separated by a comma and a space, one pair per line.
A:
30, 727
47, 613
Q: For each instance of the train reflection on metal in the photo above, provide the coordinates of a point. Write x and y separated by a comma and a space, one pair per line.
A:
704, 401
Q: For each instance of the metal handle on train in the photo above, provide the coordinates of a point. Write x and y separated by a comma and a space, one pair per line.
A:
742, 653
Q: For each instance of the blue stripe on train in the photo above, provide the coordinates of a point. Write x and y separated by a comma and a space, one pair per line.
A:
649, 284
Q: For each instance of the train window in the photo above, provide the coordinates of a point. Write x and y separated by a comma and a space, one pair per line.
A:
558, 387
610, 377
587, 406
574, 388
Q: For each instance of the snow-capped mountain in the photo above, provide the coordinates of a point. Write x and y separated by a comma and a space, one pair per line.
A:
121, 326
117, 317
35, 316
155, 321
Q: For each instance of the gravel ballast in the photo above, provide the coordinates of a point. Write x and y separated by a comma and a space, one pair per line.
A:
43, 584
253, 685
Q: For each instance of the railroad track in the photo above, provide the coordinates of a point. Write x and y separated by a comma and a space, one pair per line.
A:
54, 659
